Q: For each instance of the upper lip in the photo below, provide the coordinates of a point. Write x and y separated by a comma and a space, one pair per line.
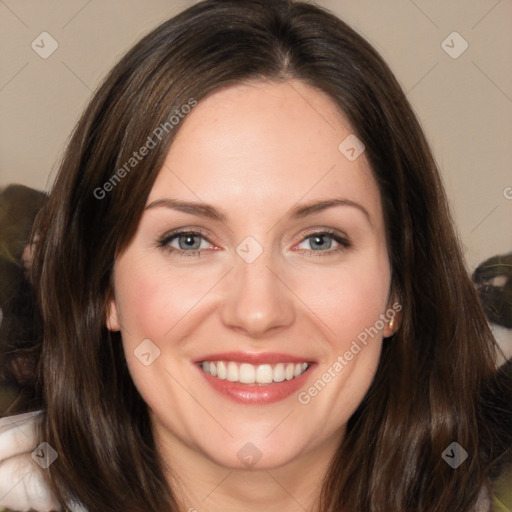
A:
254, 358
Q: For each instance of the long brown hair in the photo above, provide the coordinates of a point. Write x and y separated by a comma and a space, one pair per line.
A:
426, 393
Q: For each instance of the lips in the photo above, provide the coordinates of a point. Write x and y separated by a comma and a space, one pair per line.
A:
255, 378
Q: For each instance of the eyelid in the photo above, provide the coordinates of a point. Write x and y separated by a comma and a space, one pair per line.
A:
321, 230
187, 230
339, 237
163, 242
207, 236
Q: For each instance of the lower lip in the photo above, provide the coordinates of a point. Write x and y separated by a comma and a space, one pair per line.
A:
257, 395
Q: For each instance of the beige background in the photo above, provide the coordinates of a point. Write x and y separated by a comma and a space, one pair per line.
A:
464, 104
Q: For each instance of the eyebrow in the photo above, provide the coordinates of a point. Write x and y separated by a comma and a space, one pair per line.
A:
209, 211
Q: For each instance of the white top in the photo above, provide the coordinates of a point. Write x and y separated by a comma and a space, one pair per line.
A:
22, 461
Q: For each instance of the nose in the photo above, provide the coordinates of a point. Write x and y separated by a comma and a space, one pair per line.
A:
257, 299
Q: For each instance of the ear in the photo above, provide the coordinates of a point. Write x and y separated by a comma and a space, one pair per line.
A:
112, 317
393, 317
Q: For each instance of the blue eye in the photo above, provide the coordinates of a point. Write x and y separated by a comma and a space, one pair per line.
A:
193, 243
188, 243
321, 242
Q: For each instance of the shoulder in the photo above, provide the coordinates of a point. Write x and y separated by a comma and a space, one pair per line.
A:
22, 485
503, 492
484, 503
499, 499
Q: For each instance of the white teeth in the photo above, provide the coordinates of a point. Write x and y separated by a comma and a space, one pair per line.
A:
264, 374
279, 372
232, 372
221, 370
249, 374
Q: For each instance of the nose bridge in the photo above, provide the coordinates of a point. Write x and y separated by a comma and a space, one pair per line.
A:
256, 299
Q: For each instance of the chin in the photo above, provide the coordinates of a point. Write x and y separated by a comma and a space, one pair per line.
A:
240, 455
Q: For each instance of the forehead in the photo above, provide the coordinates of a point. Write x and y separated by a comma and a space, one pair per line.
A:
263, 145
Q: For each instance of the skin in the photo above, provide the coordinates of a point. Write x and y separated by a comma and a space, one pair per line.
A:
255, 151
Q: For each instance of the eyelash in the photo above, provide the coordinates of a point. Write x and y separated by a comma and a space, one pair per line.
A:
344, 243
165, 240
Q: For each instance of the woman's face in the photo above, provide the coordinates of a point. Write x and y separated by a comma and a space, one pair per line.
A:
288, 267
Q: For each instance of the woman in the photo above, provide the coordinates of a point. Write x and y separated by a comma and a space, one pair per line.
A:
249, 278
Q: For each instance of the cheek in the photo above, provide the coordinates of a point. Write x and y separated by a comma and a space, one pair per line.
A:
152, 300
347, 299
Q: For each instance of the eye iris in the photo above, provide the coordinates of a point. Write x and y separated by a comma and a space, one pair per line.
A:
189, 242
317, 242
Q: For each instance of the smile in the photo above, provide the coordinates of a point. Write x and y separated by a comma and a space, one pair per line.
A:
245, 373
